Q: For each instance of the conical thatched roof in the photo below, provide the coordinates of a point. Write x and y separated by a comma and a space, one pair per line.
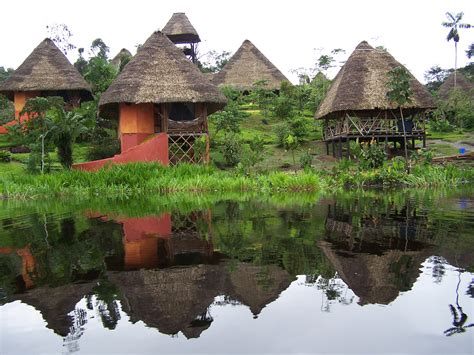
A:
123, 54
360, 85
247, 66
159, 73
46, 69
179, 29
461, 83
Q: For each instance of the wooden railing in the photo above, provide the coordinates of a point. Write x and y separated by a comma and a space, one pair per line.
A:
362, 127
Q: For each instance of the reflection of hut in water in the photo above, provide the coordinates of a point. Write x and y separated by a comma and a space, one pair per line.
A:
171, 300
378, 255
179, 299
164, 240
25, 266
376, 278
55, 303
374, 233
257, 286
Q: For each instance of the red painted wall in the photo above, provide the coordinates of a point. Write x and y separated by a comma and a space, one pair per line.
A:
154, 149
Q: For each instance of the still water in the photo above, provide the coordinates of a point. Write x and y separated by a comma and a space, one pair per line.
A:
356, 272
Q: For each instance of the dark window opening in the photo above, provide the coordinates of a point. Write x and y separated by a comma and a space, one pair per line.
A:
182, 111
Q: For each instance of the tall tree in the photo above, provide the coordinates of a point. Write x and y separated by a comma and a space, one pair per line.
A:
454, 24
399, 92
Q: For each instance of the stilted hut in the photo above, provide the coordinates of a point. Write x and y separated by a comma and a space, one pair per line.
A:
461, 83
162, 101
247, 66
180, 31
356, 105
45, 72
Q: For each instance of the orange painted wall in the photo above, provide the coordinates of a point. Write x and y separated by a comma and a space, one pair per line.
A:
136, 118
20, 99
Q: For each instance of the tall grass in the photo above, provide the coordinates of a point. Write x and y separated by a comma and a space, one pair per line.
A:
142, 179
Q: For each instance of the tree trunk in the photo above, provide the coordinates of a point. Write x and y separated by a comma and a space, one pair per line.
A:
405, 141
455, 61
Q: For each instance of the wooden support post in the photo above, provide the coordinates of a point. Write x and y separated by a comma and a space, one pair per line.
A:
413, 143
340, 148
424, 140
348, 144
207, 153
333, 149
327, 148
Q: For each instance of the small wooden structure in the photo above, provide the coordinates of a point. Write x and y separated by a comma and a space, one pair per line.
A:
356, 106
247, 66
180, 31
161, 97
45, 72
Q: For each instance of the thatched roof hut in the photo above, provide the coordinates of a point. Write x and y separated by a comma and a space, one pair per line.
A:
46, 69
360, 86
461, 83
180, 30
160, 73
124, 54
247, 66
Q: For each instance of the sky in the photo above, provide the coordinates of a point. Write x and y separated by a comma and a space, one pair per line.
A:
292, 34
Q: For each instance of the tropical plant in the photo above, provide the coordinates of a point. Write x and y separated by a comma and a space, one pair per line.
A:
400, 93
454, 24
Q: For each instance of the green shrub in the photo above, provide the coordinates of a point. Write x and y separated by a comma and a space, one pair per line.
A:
370, 155
441, 125
5, 156
281, 131
232, 150
306, 159
107, 148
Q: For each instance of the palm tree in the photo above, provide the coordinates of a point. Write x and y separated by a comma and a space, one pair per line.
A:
454, 24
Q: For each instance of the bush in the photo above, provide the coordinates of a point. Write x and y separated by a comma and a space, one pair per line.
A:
306, 160
232, 150
441, 125
107, 148
370, 155
5, 156
281, 131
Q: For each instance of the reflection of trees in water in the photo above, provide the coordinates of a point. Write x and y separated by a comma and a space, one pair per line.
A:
79, 319
459, 317
438, 269
106, 304
333, 289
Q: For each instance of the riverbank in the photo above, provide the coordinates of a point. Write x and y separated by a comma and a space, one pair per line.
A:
141, 179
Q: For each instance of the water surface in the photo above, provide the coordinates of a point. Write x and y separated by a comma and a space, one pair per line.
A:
357, 272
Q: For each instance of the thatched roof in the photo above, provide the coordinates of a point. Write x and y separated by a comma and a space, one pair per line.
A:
55, 303
123, 54
461, 83
179, 29
46, 69
160, 73
247, 66
375, 279
360, 86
